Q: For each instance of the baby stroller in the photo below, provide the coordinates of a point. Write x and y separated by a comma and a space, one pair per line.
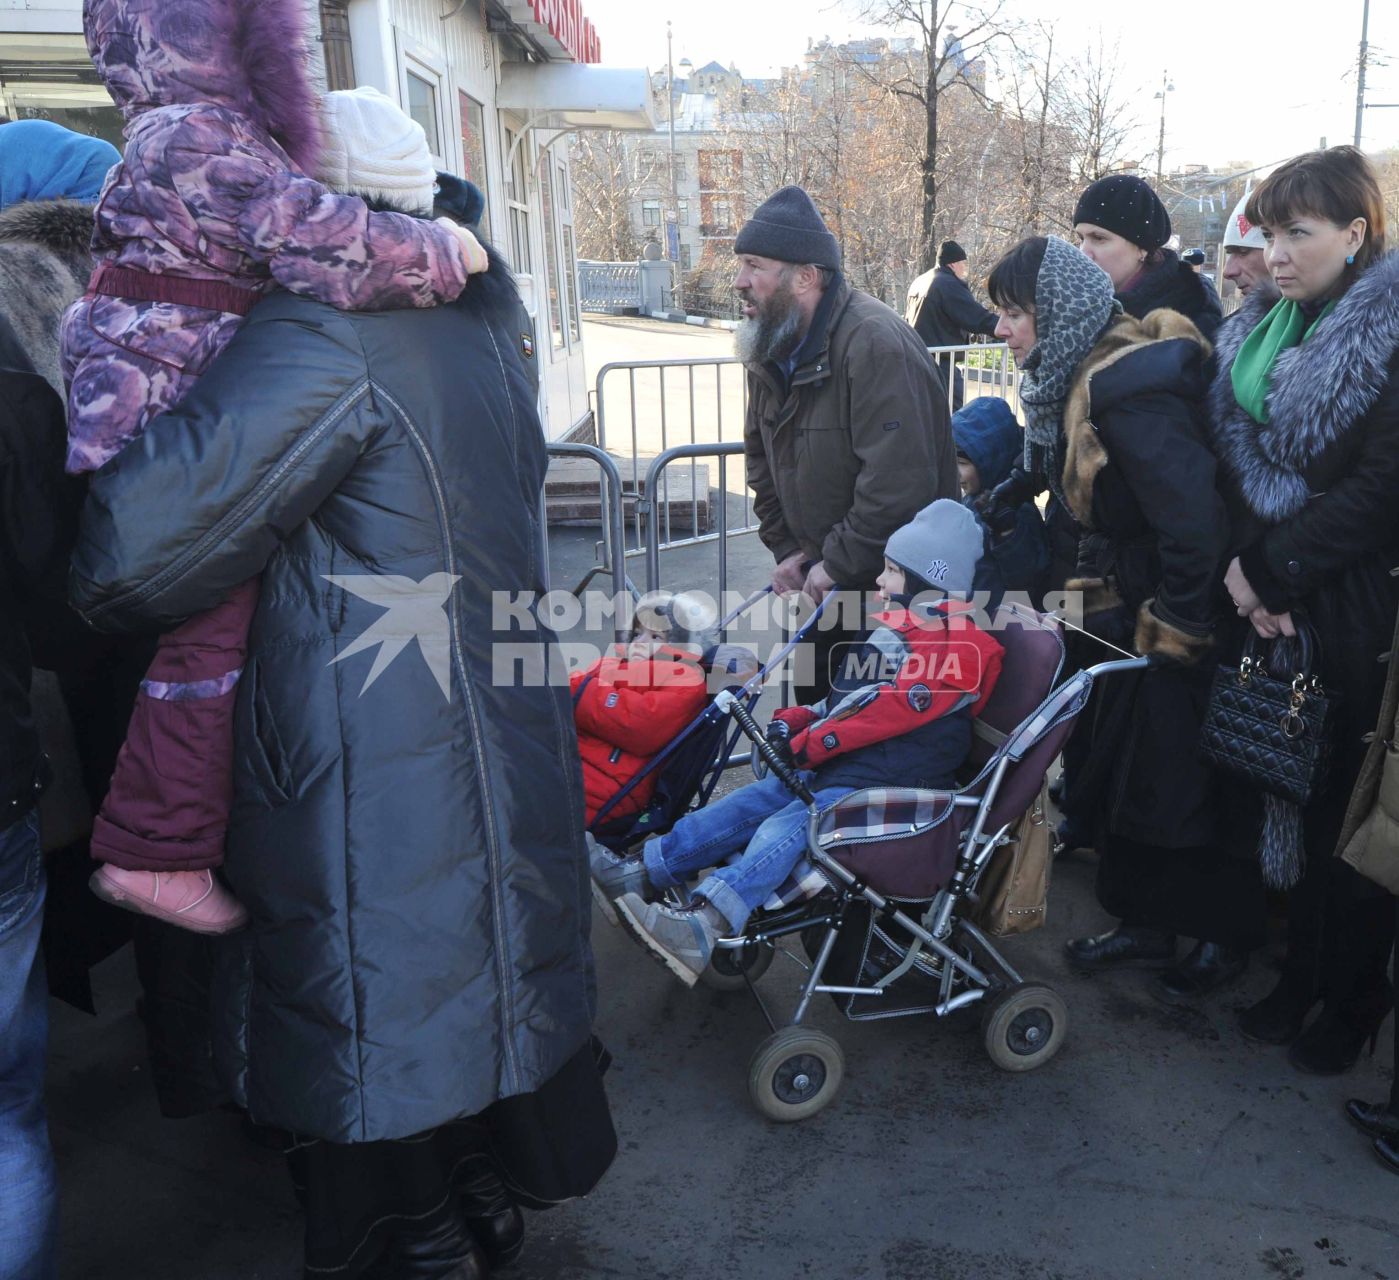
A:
689, 766
894, 873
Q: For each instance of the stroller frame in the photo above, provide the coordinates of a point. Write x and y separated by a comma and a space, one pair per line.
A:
797, 1070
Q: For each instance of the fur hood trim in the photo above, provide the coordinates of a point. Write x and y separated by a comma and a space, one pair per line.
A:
1084, 454
63, 227
250, 56
1319, 391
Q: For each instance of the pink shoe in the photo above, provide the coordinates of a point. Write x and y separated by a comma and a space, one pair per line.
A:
193, 900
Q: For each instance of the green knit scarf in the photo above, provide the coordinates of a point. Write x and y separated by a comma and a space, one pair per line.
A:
1283, 328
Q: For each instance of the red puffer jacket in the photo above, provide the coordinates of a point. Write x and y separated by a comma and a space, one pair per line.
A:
625, 712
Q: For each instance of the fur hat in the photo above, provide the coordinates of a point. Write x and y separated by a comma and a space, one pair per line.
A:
1123, 204
459, 199
788, 227
940, 546
374, 149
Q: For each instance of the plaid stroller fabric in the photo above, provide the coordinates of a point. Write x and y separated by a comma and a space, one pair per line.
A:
879, 813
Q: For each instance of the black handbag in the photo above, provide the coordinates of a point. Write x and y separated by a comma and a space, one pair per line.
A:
1273, 733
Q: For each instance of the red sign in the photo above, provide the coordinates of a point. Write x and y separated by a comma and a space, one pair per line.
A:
564, 20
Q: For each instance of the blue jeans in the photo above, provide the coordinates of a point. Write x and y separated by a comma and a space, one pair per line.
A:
28, 1189
762, 821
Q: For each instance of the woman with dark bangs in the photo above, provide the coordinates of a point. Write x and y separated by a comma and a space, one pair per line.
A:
1113, 424
1305, 413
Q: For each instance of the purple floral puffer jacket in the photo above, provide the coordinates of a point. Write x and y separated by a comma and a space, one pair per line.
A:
221, 121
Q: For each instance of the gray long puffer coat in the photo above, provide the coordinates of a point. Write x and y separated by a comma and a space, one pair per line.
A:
407, 821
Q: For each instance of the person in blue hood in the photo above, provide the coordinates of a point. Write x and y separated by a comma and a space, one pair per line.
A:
40, 160
989, 443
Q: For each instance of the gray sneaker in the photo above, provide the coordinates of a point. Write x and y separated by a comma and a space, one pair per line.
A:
682, 939
613, 876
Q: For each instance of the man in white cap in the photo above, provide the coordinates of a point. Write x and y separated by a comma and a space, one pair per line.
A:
1244, 263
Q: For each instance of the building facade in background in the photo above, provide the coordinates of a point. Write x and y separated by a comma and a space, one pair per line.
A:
497, 85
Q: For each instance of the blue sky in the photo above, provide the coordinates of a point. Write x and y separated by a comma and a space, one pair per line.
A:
1259, 92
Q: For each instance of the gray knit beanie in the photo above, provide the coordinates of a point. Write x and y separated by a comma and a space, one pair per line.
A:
940, 545
788, 227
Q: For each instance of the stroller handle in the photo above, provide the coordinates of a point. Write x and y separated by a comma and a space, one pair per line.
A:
1146, 662
730, 705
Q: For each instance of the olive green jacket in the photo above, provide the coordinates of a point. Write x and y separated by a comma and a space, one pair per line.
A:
854, 445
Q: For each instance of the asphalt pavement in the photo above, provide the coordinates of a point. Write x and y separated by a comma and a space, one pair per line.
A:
1158, 1142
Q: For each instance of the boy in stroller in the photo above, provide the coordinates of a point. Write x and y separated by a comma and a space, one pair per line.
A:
899, 714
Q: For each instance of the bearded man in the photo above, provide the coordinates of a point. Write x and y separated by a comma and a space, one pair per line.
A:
847, 435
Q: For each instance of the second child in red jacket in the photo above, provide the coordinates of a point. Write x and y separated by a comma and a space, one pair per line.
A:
899, 715
630, 703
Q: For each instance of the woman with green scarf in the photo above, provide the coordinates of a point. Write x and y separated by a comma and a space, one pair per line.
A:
1305, 415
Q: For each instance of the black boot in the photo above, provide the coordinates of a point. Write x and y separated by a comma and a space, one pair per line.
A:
1374, 1118
1332, 1044
1279, 1016
1126, 947
1206, 968
494, 1218
437, 1247
1388, 1151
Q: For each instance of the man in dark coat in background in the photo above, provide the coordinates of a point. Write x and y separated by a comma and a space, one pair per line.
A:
944, 313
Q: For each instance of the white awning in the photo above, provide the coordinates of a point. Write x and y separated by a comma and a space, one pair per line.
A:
561, 95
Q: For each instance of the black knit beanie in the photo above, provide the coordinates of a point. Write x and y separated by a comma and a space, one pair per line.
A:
951, 252
787, 226
1126, 206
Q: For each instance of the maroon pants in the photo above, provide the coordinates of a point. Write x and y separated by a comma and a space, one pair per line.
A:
172, 789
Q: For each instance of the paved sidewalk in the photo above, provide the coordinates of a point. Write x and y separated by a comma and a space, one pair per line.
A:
1158, 1143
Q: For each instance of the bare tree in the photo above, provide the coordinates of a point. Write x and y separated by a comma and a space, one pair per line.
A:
944, 69
1095, 105
610, 174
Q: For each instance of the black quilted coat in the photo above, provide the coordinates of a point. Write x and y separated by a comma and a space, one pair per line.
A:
407, 821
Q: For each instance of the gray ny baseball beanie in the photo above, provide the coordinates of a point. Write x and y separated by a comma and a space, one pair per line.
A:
940, 545
787, 226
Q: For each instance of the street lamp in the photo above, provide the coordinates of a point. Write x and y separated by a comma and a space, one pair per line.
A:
678, 293
1166, 87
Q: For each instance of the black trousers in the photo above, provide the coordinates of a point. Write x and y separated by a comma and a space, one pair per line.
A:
1340, 926
1199, 893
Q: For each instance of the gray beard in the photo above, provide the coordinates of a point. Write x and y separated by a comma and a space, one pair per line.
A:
766, 337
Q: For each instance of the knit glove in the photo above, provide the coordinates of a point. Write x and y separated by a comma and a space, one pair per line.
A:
472, 253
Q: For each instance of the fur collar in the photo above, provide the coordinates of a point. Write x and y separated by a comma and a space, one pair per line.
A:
1319, 392
1084, 454
63, 227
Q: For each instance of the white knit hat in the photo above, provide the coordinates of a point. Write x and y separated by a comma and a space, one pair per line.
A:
1240, 233
374, 149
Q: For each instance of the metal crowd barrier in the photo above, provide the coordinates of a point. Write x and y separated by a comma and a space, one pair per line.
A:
651, 414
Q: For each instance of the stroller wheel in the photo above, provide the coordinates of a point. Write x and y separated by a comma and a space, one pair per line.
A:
795, 1072
728, 965
1024, 1026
